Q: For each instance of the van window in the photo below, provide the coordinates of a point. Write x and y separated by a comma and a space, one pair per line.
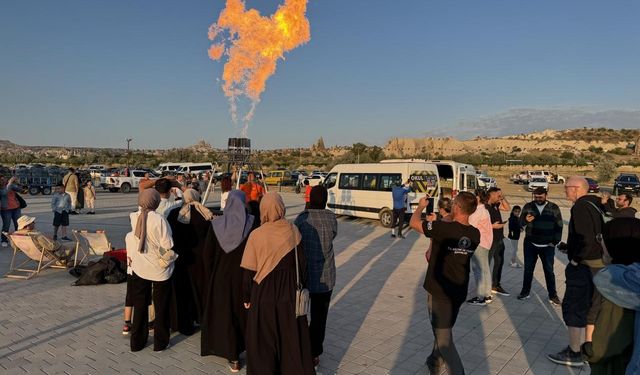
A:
388, 181
330, 181
370, 181
462, 177
349, 181
471, 183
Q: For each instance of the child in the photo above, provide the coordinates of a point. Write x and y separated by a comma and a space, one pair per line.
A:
61, 206
90, 198
514, 235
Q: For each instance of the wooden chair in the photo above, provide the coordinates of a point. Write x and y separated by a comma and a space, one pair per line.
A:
34, 257
90, 244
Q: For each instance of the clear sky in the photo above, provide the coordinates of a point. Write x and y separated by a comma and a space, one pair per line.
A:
94, 72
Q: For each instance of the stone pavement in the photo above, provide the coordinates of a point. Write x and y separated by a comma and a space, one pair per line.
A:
377, 323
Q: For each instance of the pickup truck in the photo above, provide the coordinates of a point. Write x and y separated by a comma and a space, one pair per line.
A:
122, 183
521, 177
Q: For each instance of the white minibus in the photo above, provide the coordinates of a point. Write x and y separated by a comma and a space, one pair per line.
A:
364, 190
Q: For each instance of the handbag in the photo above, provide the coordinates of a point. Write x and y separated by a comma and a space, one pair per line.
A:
302, 294
21, 200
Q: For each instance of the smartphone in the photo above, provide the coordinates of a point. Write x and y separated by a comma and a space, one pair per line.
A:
431, 206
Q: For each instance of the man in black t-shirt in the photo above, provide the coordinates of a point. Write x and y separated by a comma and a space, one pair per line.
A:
447, 280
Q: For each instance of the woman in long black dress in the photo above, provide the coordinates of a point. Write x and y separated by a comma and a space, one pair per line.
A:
189, 225
277, 341
224, 317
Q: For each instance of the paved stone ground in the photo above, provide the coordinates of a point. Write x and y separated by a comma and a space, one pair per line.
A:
377, 322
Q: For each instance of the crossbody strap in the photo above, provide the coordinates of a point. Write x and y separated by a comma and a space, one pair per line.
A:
295, 249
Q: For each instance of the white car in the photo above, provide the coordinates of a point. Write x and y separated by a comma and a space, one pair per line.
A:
537, 182
315, 179
487, 182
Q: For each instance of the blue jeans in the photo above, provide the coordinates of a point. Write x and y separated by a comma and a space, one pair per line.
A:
482, 271
531, 255
9, 216
620, 284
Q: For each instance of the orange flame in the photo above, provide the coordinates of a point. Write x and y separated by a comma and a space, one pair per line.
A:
253, 46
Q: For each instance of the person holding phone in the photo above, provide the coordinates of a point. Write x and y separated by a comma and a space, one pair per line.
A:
543, 223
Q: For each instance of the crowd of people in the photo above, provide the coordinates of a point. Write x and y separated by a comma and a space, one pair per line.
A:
234, 275
602, 277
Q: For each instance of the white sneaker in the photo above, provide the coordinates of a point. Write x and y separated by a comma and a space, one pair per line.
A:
4, 244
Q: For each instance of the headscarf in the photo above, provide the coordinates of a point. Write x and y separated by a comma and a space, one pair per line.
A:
148, 200
235, 224
191, 198
275, 238
318, 198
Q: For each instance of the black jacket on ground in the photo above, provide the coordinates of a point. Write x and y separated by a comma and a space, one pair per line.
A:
586, 222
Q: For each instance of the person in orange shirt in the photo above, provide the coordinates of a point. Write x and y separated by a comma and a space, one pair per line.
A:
307, 194
253, 190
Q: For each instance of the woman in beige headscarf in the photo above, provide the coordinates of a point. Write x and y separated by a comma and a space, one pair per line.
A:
189, 225
277, 342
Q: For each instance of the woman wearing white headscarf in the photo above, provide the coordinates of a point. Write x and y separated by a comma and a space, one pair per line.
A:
148, 242
189, 224
224, 318
277, 341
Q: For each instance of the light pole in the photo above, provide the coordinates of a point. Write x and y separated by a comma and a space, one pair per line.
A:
128, 152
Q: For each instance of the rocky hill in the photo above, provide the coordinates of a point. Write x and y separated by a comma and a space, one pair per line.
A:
571, 140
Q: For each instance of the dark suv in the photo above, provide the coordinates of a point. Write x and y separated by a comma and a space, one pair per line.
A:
627, 183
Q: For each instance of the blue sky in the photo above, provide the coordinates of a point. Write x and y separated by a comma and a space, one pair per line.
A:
94, 72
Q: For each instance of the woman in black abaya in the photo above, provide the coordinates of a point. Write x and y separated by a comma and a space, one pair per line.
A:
277, 341
189, 224
224, 318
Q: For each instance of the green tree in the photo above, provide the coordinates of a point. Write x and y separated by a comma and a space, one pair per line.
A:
605, 168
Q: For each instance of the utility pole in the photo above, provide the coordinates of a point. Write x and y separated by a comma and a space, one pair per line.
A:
129, 152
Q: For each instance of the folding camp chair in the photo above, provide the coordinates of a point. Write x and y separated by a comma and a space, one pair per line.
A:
90, 243
37, 257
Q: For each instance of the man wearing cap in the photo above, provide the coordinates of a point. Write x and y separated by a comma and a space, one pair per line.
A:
542, 221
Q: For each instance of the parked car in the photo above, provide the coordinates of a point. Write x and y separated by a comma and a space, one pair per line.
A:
124, 183
521, 177
627, 183
593, 185
486, 182
537, 182
278, 177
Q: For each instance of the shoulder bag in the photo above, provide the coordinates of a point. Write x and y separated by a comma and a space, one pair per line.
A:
302, 294
21, 200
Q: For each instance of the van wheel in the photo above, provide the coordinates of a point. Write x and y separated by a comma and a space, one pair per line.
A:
46, 190
125, 188
386, 217
34, 190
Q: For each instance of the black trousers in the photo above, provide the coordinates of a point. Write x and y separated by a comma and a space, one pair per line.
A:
319, 310
497, 248
397, 219
531, 255
140, 298
443, 314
